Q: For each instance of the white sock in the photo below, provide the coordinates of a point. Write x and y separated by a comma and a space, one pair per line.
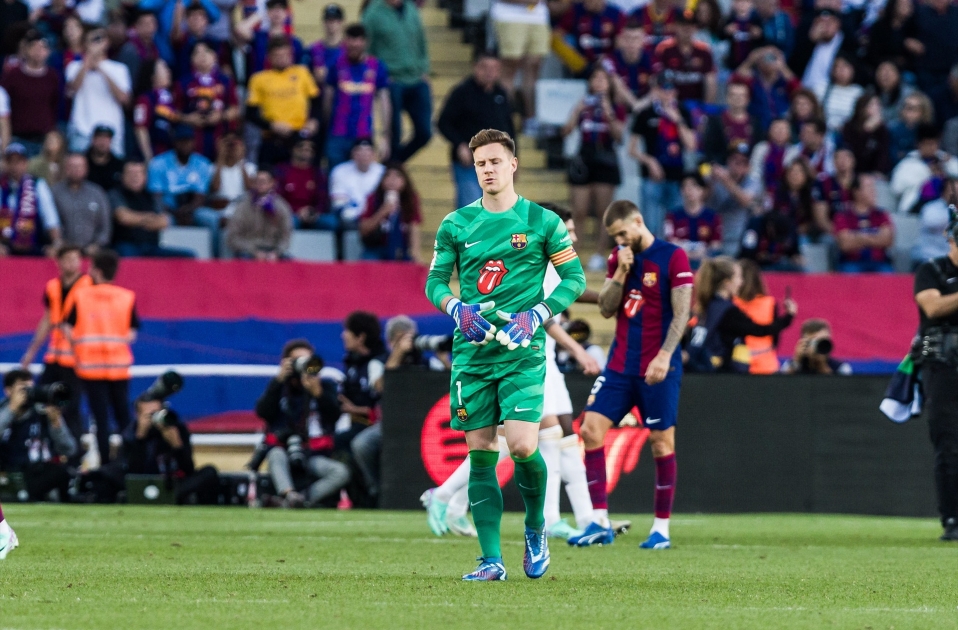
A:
600, 516
576, 484
660, 525
549, 447
458, 504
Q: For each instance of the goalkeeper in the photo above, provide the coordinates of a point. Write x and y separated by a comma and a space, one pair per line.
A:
502, 245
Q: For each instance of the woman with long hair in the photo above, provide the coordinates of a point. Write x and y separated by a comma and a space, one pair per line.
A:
839, 95
753, 299
793, 196
389, 227
867, 137
594, 173
154, 112
891, 90
916, 109
717, 340
804, 108
48, 165
894, 36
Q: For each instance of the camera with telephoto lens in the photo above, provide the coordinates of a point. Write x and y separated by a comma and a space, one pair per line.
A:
310, 365
822, 345
433, 343
296, 451
166, 384
57, 394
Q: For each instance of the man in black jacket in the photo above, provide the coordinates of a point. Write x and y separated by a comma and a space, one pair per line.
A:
478, 103
301, 409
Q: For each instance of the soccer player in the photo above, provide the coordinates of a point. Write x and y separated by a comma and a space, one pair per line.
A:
8, 539
649, 289
501, 245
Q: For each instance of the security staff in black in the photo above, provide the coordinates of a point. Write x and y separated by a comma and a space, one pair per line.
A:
936, 293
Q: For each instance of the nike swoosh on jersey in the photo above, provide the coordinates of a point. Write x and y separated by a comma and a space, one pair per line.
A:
521, 410
468, 245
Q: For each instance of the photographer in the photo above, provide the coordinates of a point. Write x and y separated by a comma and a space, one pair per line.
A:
300, 409
813, 352
34, 439
407, 347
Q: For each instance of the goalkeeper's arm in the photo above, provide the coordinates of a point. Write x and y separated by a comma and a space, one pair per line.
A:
569, 268
440, 270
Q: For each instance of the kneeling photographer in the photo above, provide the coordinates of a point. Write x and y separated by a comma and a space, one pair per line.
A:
813, 351
34, 438
300, 410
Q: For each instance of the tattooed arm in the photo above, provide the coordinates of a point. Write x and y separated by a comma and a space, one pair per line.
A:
681, 305
610, 297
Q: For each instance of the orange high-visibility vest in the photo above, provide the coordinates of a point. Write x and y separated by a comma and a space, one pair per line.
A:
102, 332
762, 311
59, 350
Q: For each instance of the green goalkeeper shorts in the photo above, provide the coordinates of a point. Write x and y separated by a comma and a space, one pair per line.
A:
486, 395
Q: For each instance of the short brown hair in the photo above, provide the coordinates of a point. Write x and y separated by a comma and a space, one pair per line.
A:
814, 326
107, 261
67, 248
492, 136
621, 209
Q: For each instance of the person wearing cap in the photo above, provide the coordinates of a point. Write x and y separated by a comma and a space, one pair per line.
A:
324, 53
927, 163
936, 294
258, 36
397, 38
206, 99
34, 90
283, 101
358, 101
165, 11
104, 167
141, 47
29, 225
84, 210
101, 89
932, 241
816, 48
688, 63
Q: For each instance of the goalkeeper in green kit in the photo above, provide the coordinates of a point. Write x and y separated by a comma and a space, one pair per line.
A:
502, 245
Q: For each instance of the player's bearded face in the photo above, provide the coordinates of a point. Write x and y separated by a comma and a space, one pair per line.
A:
495, 168
627, 232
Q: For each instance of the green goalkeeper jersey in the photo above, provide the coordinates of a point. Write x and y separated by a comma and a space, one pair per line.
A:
502, 257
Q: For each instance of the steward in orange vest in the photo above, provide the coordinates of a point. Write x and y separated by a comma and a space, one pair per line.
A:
754, 301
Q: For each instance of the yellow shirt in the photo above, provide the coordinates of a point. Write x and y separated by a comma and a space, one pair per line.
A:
283, 95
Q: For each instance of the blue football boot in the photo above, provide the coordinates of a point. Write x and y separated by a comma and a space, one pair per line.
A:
536, 559
489, 570
656, 541
594, 534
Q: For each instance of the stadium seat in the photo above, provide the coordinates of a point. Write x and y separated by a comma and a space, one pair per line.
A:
816, 257
225, 252
352, 245
906, 233
555, 99
196, 239
313, 245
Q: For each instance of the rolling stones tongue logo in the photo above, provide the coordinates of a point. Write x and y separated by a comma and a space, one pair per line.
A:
633, 304
490, 276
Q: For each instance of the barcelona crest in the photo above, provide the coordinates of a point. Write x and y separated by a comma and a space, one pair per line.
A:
650, 278
462, 414
519, 241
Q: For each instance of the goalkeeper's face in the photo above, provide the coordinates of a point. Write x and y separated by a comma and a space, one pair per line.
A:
495, 168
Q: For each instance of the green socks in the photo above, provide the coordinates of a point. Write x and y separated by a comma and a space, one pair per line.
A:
531, 478
485, 500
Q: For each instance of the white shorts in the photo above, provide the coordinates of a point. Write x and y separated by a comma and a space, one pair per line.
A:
556, 400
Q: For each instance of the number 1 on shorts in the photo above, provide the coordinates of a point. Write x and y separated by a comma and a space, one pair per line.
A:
459, 391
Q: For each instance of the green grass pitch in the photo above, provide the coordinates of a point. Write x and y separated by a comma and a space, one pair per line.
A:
131, 567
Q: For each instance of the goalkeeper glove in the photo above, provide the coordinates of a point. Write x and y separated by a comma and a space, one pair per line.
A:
522, 326
474, 327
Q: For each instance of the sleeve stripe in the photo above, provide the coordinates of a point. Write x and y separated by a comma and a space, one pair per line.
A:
560, 258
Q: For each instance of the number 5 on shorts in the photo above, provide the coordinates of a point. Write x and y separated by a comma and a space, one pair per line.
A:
598, 385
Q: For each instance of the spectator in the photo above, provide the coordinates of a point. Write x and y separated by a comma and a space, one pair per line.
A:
657, 18
137, 218
771, 83
364, 365
397, 38
591, 27
186, 37
935, 217
351, 183
478, 102
891, 90
732, 130
925, 165
936, 22
49, 19
140, 49
67, 49
11, 12
833, 193
258, 36
324, 54
708, 19
794, 197
166, 11
594, 173
83, 207
350, 108
221, 29
813, 352
839, 95
29, 225
100, 89
580, 331
753, 300
206, 100
692, 226
300, 409
777, 28
771, 240
154, 113
34, 440
688, 63
816, 49
867, 137
104, 167
893, 37
524, 35
864, 233
735, 196
815, 147
180, 179
916, 109
283, 101
34, 91
262, 225
665, 129
232, 175
300, 183
767, 163
390, 224
631, 67
744, 30
945, 98
718, 339
804, 108
48, 165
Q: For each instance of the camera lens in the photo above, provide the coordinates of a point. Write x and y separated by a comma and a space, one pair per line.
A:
823, 346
